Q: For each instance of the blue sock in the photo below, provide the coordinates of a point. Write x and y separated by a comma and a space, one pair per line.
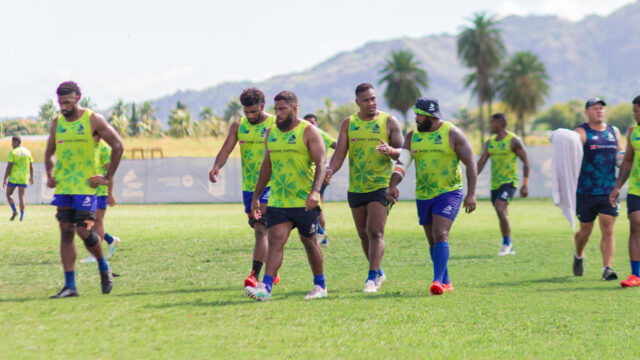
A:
373, 275
320, 229
635, 268
21, 214
445, 278
506, 240
267, 280
103, 265
380, 272
70, 279
108, 238
319, 280
13, 207
440, 259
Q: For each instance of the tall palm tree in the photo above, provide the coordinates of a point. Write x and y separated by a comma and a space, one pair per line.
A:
523, 86
148, 121
180, 124
48, 112
87, 102
118, 117
233, 110
480, 47
404, 78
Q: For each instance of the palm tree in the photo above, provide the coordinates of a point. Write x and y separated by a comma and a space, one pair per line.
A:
148, 121
232, 110
523, 86
404, 78
88, 103
480, 47
209, 124
180, 124
118, 117
48, 112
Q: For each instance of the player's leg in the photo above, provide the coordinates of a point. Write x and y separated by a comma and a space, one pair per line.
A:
376, 221
21, 191
505, 228
440, 233
98, 227
607, 245
306, 222
360, 220
9, 193
322, 235
587, 213
634, 245
68, 252
261, 245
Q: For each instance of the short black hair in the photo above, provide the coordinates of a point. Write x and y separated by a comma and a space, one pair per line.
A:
251, 96
363, 87
501, 118
16, 138
309, 116
68, 87
636, 100
287, 96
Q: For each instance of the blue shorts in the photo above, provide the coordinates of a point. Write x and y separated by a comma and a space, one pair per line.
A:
446, 205
10, 184
589, 206
248, 195
76, 202
103, 202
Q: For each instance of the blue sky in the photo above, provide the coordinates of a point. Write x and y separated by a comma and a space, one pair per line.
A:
141, 49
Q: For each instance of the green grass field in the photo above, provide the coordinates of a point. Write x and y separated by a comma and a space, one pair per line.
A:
180, 294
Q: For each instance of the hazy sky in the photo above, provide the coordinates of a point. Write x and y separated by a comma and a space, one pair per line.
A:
143, 49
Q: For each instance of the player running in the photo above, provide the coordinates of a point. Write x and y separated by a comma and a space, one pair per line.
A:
293, 147
437, 147
630, 169
369, 174
75, 182
329, 143
504, 148
19, 172
250, 131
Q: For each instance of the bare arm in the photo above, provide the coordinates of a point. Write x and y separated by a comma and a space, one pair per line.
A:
110, 198
582, 134
263, 180
618, 137
315, 144
6, 174
395, 132
225, 151
111, 137
484, 157
625, 170
393, 193
463, 149
518, 147
49, 152
31, 173
341, 151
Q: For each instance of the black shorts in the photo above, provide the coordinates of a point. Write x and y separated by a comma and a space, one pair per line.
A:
305, 221
589, 206
633, 203
362, 199
504, 192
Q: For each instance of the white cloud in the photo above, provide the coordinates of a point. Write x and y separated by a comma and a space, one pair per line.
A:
509, 7
577, 9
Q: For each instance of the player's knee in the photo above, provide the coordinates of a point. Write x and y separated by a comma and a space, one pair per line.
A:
375, 235
440, 235
90, 238
634, 227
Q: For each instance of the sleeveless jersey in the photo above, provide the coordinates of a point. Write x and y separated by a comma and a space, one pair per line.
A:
368, 169
21, 158
292, 170
327, 139
251, 138
598, 172
102, 157
634, 177
437, 165
504, 162
75, 153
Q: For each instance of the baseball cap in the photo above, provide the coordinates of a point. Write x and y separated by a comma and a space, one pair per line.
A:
427, 106
594, 100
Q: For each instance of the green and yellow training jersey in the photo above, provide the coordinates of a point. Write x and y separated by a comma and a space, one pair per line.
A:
75, 153
368, 169
21, 159
504, 162
251, 139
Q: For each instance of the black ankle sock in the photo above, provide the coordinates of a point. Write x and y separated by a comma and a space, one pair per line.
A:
257, 267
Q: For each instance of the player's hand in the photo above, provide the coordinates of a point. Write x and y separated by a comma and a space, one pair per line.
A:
393, 194
384, 148
613, 197
255, 209
4, 184
312, 200
51, 182
31, 181
328, 175
98, 180
469, 203
111, 200
213, 173
524, 191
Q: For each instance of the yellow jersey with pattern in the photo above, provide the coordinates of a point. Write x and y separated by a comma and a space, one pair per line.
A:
21, 159
504, 162
634, 177
292, 170
368, 169
103, 156
251, 139
327, 139
437, 165
75, 153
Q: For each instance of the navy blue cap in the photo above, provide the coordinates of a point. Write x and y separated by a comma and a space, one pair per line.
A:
593, 101
428, 106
